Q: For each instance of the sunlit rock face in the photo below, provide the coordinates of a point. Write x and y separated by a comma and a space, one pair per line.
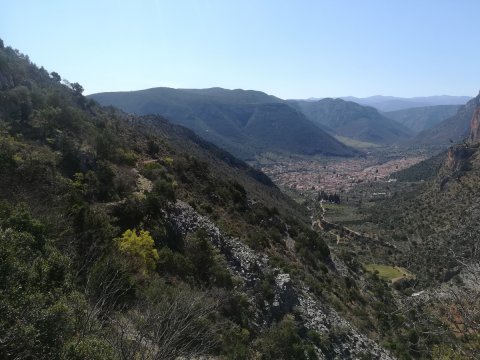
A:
459, 153
475, 126
461, 157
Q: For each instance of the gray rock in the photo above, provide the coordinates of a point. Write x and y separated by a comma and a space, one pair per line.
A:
250, 266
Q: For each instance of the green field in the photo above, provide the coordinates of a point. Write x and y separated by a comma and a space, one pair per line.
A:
355, 143
342, 214
389, 273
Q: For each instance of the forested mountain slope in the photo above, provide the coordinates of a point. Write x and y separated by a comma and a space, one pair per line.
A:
435, 228
354, 121
393, 103
422, 118
245, 123
128, 237
452, 130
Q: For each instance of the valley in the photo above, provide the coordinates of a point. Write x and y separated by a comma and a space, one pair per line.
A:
337, 175
339, 193
359, 180
230, 224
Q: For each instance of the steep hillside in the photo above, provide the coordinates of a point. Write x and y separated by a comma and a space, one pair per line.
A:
421, 118
245, 123
443, 213
451, 130
125, 237
392, 103
423, 171
434, 228
355, 121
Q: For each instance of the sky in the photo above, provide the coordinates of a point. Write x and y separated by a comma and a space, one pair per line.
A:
291, 49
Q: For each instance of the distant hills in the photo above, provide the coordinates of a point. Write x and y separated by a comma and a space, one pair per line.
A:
453, 129
349, 119
95, 225
244, 122
393, 103
248, 123
422, 118
115, 227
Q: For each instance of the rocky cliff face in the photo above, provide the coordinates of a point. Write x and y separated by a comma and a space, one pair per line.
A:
475, 126
289, 297
454, 129
458, 156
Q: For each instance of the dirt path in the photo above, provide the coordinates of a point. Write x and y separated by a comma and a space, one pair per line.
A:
334, 228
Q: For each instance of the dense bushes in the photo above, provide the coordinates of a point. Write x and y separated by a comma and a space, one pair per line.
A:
140, 249
90, 265
312, 247
35, 291
283, 341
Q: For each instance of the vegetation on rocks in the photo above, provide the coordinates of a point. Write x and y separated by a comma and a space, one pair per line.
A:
93, 265
126, 237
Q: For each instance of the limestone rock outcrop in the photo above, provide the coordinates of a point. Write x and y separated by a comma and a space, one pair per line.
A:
289, 296
475, 126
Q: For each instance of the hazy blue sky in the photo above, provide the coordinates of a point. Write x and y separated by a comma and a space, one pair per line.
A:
292, 49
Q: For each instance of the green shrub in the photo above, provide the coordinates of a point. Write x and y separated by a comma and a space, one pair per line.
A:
311, 247
283, 341
140, 249
90, 348
174, 263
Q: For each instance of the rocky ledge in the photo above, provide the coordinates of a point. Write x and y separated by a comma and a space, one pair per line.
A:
251, 267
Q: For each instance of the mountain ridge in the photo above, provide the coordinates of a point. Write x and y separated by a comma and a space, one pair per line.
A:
453, 129
349, 119
125, 237
245, 122
393, 103
113, 224
422, 118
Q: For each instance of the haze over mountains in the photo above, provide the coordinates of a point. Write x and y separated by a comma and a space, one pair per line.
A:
243, 122
349, 119
422, 118
452, 130
90, 225
249, 123
127, 237
393, 103
112, 223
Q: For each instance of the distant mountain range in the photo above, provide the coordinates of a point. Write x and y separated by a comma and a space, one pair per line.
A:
392, 103
248, 123
422, 118
244, 122
454, 129
349, 119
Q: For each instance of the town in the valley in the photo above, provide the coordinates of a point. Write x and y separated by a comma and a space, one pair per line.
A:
335, 176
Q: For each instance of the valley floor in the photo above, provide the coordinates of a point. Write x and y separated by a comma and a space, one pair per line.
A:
336, 175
